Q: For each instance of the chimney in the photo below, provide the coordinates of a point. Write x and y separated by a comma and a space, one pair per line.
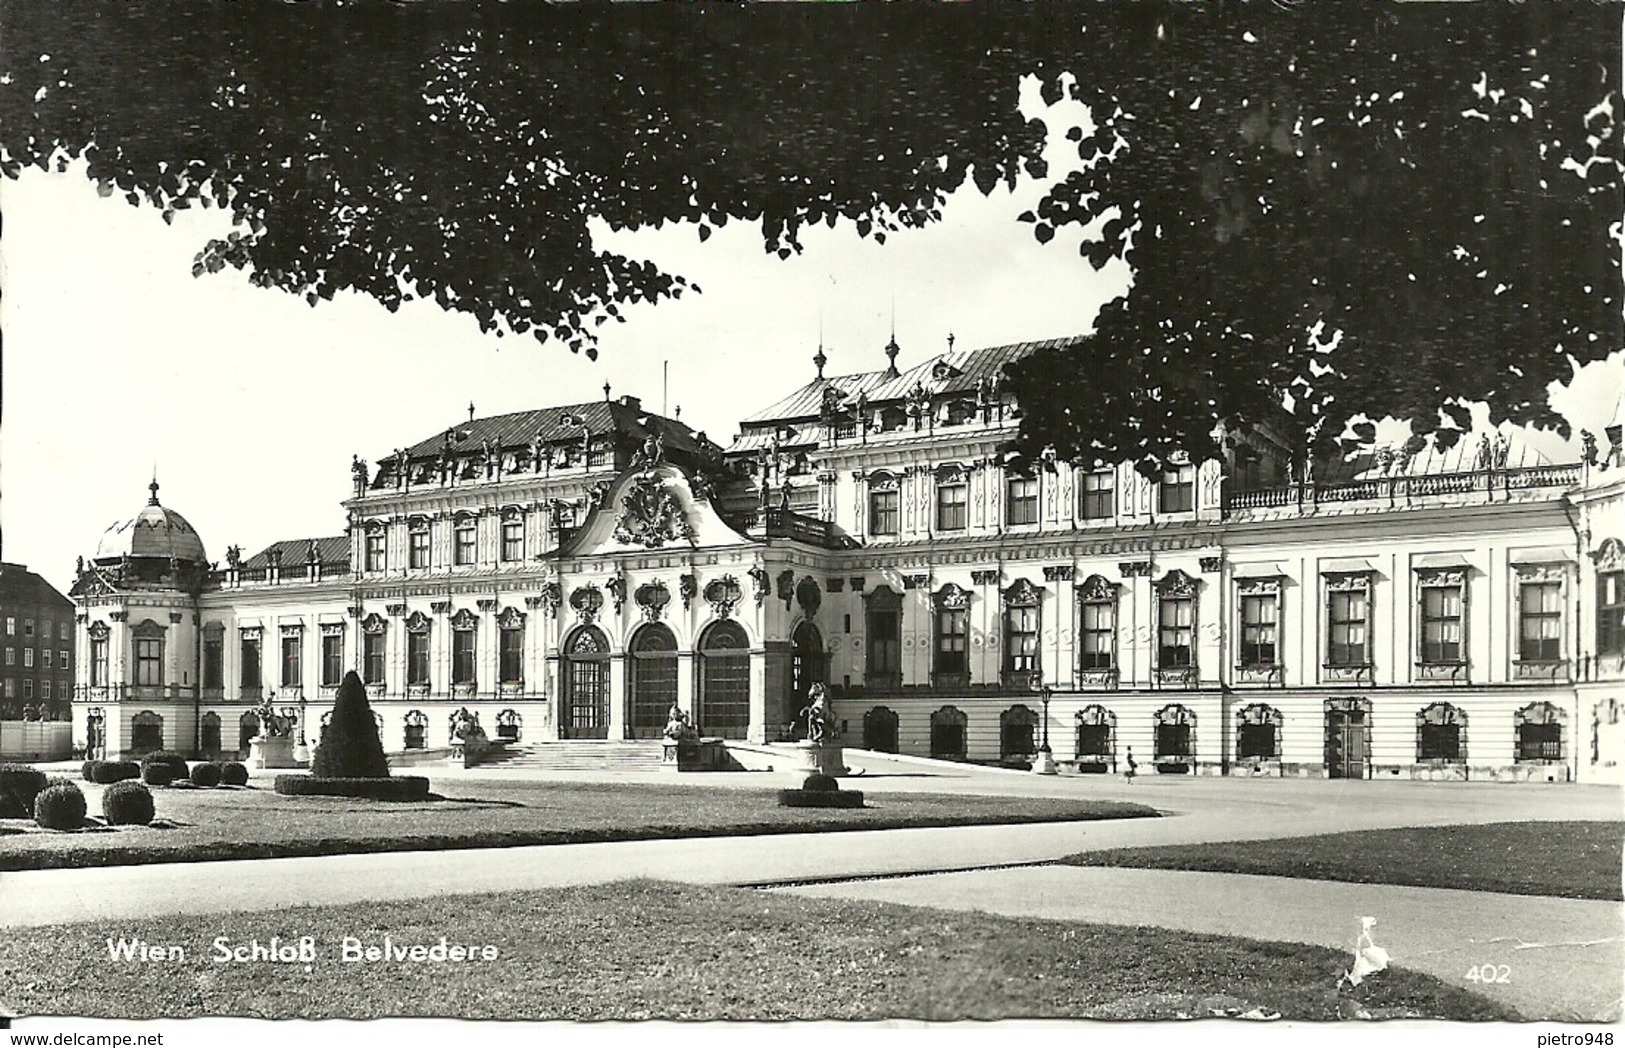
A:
632, 402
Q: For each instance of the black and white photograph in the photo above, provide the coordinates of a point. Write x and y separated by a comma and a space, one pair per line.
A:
793, 520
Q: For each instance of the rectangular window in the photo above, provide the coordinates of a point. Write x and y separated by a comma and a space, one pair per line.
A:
11, 626
418, 548
1097, 500
11, 656
1441, 624
466, 537
1611, 613
62, 659
883, 512
417, 658
372, 658
45, 658
28, 687
951, 507
1346, 628
332, 658
1020, 640
1175, 616
377, 548
510, 655
149, 660
28, 627
11, 688
1540, 614
953, 636
1258, 614
1021, 500
462, 657
62, 631
251, 664
45, 689
290, 660
885, 643
1177, 492
214, 661
98, 662
1438, 742
28, 658
513, 540
1098, 626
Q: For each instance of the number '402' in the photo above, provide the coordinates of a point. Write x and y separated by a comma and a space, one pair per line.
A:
1490, 973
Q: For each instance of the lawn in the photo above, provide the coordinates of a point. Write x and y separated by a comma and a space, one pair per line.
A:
196, 825
1575, 860
651, 950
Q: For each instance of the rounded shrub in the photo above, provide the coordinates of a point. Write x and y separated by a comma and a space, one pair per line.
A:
157, 774
234, 773
87, 770
60, 807
114, 771
818, 782
206, 774
127, 804
19, 785
175, 762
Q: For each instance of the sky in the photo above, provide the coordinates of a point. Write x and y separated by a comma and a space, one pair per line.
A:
249, 403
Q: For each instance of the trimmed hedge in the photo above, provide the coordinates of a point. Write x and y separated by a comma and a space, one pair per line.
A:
19, 785
87, 770
114, 771
818, 782
158, 774
127, 804
60, 807
206, 774
820, 799
350, 747
175, 762
395, 788
234, 773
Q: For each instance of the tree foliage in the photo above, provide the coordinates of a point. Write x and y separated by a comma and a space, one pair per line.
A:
350, 747
1433, 191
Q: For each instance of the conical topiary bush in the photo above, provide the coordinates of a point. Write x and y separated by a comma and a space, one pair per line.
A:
350, 748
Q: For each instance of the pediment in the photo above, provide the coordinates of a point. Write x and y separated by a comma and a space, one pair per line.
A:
652, 508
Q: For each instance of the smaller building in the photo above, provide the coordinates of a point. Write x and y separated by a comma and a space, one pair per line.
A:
38, 660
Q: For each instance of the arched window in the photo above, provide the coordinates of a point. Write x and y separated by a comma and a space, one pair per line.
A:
651, 680
1540, 733
1441, 731
948, 733
1097, 739
723, 703
417, 730
1258, 733
146, 732
586, 685
209, 734
1018, 730
880, 730
883, 614
807, 661
1175, 738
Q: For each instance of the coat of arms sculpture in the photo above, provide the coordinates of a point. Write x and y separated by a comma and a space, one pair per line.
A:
650, 514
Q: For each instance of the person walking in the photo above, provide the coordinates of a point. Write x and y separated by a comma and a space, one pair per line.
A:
1132, 767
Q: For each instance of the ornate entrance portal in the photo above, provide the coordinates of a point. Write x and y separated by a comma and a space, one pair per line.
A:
722, 707
651, 680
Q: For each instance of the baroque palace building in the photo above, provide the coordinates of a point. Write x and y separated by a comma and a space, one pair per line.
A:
572, 573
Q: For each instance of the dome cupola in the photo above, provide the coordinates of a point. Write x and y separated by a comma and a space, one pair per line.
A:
155, 532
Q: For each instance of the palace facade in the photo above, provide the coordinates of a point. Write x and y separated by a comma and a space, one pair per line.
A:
572, 573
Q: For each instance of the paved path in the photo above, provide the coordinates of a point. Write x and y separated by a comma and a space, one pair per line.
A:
1564, 958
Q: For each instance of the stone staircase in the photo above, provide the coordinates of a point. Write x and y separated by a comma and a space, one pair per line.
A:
583, 755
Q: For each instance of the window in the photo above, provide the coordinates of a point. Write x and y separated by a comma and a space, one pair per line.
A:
953, 635
1540, 615
465, 544
462, 657
1438, 733
377, 548
28, 627
62, 632
1540, 732
1018, 732
372, 658
332, 657
45, 689
1098, 627
1611, 613
1258, 733
11, 656
1021, 500
11, 688
418, 547
214, 660
1095, 743
510, 654
28, 687
884, 637
1172, 740
1097, 497
883, 505
1258, 615
513, 540
251, 662
98, 662
11, 626
948, 733
292, 643
952, 505
1346, 613
1441, 622
28, 658
1177, 492
1021, 618
1175, 617
62, 659
45, 658
146, 732
149, 660
417, 657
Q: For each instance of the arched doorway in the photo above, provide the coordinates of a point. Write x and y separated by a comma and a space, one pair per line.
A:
651, 681
586, 685
209, 735
248, 726
722, 707
147, 732
880, 730
808, 665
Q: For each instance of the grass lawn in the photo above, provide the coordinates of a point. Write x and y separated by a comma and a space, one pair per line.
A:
1575, 860
196, 825
651, 950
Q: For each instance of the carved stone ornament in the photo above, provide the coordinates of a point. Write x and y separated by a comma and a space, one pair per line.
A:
1022, 594
374, 623
118, 616
464, 620
1176, 584
1557, 572
1346, 581
250, 632
835, 584
292, 629
985, 576
1442, 577
784, 585
99, 630
615, 585
951, 596
417, 622
396, 610
552, 597
1131, 569
916, 581
1610, 556
687, 587
651, 515
808, 595
1096, 588
1269, 585
758, 577
486, 604
587, 601
724, 594
652, 598
1058, 572
1211, 564
510, 618
354, 611
332, 629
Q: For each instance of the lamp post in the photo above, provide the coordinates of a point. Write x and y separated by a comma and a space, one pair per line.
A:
301, 752
1045, 763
